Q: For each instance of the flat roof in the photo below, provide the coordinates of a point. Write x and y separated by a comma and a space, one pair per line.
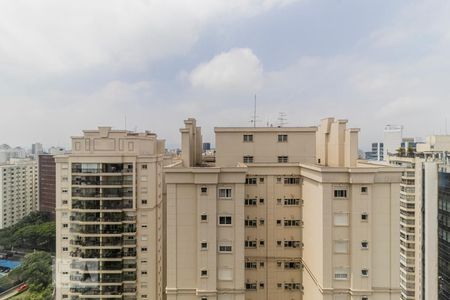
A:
266, 129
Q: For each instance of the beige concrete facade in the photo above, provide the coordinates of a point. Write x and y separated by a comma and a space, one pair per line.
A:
109, 216
313, 222
18, 190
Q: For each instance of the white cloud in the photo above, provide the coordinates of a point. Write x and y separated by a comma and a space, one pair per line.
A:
63, 35
236, 70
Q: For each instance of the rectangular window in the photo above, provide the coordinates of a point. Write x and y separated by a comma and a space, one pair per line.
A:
204, 273
292, 244
364, 190
282, 159
248, 159
225, 193
282, 138
340, 193
292, 223
225, 220
225, 247
250, 286
292, 202
261, 180
364, 217
250, 244
144, 201
203, 190
250, 180
250, 223
364, 245
340, 274
204, 245
291, 180
203, 217
248, 138
250, 202
365, 273
144, 167
250, 265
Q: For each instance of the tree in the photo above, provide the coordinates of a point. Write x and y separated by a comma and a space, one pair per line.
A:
36, 271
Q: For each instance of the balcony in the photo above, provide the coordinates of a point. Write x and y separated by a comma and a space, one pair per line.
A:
93, 168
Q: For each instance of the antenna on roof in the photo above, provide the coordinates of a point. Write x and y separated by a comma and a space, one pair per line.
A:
282, 119
254, 114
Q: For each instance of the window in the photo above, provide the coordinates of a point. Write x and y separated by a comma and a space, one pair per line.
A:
364, 272
203, 217
340, 193
248, 159
279, 222
204, 273
204, 245
65, 249
261, 285
250, 202
292, 244
250, 286
261, 180
291, 180
282, 159
262, 243
292, 223
250, 223
364, 190
261, 221
225, 220
225, 247
341, 219
144, 249
144, 167
292, 265
225, 193
248, 138
365, 298
364, 217
282, 138
250, 180
144, 201
261, 201
203, 190
364, 245
278, 179
144, 272
65, 225
250, 244
261, 264
292, 202
340, 246
204, 298
340, 274
250, 265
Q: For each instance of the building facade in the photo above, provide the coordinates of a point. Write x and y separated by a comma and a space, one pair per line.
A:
416, 210
392, 139
109, 217
284, 213
18, 190
47, 188
377, 152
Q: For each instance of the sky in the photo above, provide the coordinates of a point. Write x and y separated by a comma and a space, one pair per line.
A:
67, 65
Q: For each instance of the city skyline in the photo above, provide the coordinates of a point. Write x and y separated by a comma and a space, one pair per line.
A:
383, 63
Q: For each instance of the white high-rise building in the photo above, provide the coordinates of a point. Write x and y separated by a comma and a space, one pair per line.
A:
18, 190
392, 139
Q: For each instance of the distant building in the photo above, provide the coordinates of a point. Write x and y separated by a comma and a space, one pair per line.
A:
206, 147
18, 190
36, 149
392, 139
47, 192
56, 150
377, 152
424, 235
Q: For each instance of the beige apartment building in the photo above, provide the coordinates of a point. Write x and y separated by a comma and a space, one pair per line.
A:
18, 190
109, 217
283, 213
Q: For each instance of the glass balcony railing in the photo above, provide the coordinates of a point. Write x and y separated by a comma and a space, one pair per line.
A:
92, 168
90, 204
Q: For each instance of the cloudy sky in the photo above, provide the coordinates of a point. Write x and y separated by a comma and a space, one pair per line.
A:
66, 65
